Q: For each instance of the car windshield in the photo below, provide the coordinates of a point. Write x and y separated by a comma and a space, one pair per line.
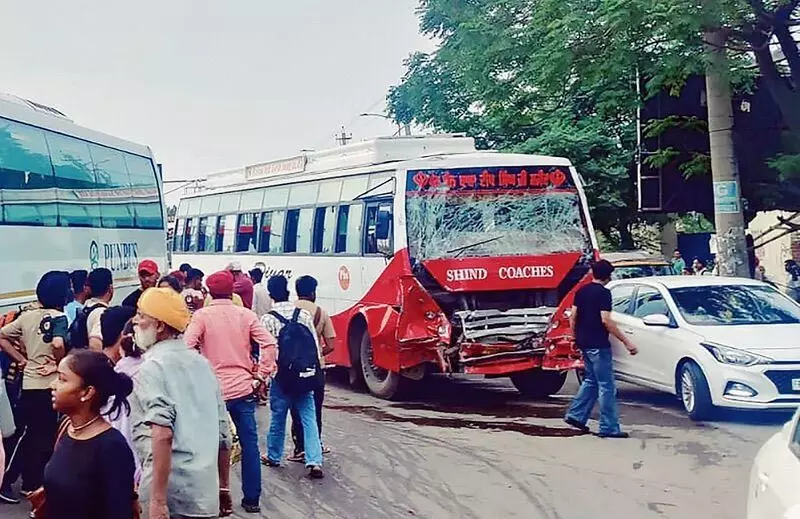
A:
641, 271
734, 305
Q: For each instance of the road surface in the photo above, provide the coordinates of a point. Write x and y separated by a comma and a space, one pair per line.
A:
472, 448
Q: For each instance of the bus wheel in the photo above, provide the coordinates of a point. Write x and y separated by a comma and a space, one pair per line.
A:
539, 383
380, 382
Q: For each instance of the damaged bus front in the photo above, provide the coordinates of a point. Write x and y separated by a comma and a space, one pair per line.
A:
496, 254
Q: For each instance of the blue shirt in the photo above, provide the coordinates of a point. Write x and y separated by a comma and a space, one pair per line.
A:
72, 309
177, 388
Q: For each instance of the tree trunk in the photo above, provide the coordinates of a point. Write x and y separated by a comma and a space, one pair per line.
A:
788, 100
625, 236
731, 248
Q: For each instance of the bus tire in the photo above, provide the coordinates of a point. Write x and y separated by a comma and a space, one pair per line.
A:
539, 383
355, 376
380, 382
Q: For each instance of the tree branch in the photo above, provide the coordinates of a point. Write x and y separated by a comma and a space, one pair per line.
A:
790, 51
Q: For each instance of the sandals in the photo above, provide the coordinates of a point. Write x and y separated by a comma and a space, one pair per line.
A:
297, 457
268, 462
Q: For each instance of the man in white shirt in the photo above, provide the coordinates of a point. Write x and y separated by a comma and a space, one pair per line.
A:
101, 288
262, 304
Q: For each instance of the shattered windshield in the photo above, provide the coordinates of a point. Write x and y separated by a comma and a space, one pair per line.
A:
444, 221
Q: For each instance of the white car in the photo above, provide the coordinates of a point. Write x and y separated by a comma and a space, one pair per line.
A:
713, 341
774, 480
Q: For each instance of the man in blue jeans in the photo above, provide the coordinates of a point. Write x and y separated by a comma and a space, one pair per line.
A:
280, 402
224, 332
591, 323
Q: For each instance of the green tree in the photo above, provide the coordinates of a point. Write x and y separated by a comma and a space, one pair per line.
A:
507, 73
562, 77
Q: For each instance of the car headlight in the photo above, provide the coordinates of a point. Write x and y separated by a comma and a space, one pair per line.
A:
728, 355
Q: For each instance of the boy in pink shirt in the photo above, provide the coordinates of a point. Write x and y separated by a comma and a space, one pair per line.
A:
223, 333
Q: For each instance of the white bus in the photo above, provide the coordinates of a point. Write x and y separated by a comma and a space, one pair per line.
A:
430, 255
72, 198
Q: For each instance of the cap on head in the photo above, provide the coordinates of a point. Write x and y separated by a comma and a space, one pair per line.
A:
148, 267
234, 266
220, 284
167, 306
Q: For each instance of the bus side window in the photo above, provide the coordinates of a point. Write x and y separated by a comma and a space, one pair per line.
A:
290, 240
218, 239
319, 229
348, 229
379, 229
324, 227
246, 233
78, 205
147, 209
277, 232
341, 229
354, 229
265, 231
180, 228
205, 235
229, 238
298, 230
190, 236
25, 166
114, 188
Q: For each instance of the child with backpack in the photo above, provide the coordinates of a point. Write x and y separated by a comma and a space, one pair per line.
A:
299, 374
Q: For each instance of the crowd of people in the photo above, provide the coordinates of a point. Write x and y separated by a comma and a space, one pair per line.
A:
106, 410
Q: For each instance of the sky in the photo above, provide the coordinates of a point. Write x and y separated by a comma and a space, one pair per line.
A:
212, 85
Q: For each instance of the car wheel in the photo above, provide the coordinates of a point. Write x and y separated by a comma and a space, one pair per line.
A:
380, 382
539, 383
694, 393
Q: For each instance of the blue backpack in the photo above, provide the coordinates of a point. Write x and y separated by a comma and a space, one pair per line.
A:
299, 370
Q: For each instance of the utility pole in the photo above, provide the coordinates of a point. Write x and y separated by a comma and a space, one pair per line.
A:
728, 216
343, 137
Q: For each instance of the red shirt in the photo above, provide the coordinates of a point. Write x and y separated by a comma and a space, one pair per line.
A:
243, 286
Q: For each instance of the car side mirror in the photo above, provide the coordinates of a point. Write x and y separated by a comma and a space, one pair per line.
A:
656, 320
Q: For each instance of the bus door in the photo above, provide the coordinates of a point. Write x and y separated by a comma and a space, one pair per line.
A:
378, 242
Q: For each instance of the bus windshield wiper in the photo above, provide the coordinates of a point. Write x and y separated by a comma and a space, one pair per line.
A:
459, 250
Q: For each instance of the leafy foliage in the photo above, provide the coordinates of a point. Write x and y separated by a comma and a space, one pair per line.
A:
560, 77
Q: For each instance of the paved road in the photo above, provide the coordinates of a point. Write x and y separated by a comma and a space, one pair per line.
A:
471, 448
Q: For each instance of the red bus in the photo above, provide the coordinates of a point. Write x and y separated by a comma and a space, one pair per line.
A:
431, 256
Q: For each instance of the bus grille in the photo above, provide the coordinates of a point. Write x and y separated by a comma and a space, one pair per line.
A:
514, 325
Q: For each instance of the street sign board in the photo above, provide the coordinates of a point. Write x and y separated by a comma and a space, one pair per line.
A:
726, 197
